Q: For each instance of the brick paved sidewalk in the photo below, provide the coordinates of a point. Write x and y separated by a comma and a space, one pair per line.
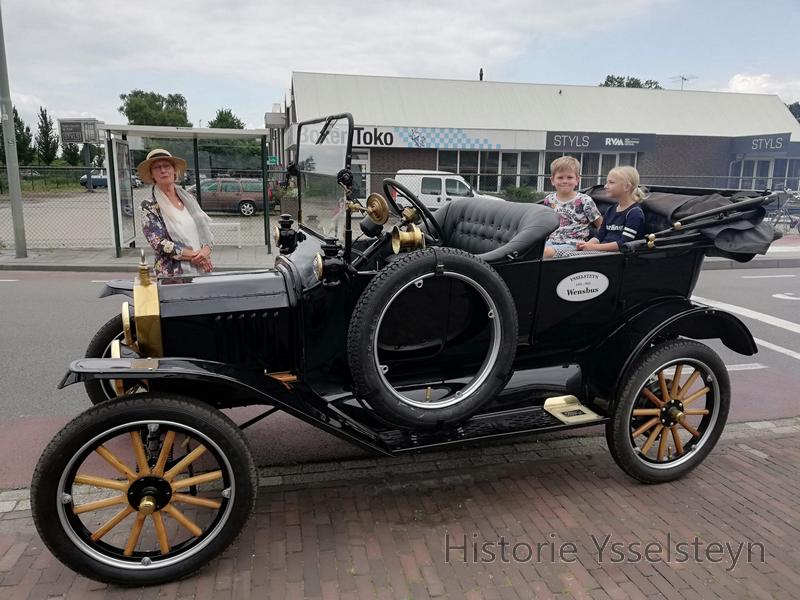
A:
731, 529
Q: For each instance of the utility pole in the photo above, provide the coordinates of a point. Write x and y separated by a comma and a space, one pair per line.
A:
12, 162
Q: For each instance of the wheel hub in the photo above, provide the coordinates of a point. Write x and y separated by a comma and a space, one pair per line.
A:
671, 413
149, 494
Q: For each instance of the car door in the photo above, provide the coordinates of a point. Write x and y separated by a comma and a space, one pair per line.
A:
253, 190
430, 191
455, 188
209, 192
230, 194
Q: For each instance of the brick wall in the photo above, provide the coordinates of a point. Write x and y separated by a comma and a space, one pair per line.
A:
687, 155
385, 162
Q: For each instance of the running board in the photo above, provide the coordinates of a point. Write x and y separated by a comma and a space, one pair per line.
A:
534, 419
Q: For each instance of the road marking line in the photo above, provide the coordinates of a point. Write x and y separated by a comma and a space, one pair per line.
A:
765, 276
747, 367
99, 281
9, 280
776, 348
786, 296
752, 314
741, 367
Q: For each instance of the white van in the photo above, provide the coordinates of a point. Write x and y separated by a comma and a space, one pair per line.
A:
435, 188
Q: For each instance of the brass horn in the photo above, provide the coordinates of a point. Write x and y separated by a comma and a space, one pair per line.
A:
377, 209
407, 241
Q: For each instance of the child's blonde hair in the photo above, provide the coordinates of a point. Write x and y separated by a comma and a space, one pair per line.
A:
631, 178
566, 163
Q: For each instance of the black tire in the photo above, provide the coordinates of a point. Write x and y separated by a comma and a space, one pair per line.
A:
101, 390
364, 350
60, 482
669, 414
247, 208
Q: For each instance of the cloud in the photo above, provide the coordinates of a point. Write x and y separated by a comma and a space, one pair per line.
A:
79, 56
764, 83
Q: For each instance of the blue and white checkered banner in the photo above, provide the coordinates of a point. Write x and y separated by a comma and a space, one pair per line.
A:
446, 138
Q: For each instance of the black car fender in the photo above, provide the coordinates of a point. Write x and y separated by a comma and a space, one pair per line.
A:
610, 360
225, 386
115, 287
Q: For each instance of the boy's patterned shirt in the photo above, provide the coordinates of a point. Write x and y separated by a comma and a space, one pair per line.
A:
574, 217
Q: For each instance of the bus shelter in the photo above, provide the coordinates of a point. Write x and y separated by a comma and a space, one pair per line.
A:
120, 186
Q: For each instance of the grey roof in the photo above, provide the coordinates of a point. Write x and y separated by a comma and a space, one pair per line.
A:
201, 133
415, 102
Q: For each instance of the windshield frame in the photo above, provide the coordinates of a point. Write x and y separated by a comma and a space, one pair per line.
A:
324, 131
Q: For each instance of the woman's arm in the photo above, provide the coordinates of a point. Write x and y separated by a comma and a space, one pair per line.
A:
155, 231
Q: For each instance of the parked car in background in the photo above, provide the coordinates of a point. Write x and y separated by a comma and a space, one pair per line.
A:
435, 188
100, 179
245, 196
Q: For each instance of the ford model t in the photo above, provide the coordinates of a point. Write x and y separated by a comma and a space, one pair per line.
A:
398, 330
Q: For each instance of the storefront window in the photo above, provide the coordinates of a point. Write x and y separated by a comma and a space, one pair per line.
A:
590, 169
627, 159
609, 162
509, 165
448, 161
762, 171
735, 172
748, 167
793, 174
528, 169
490, 163
779, 174
468, 167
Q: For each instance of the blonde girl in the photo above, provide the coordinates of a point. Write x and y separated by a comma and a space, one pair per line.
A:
625, 221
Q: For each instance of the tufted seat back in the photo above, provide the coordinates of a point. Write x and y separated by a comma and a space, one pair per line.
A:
496, 230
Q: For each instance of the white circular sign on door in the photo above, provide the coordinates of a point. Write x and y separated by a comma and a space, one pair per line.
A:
582, 286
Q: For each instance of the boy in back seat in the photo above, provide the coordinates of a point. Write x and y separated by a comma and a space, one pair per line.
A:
575, 211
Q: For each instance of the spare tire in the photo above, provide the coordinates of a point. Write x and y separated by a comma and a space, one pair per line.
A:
432, 338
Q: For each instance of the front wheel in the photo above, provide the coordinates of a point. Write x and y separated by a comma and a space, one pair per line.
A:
143, 490
670, 412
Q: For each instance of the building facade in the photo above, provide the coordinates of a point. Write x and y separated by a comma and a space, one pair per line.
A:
502, 135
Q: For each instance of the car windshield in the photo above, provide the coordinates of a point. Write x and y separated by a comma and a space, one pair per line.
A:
323, 152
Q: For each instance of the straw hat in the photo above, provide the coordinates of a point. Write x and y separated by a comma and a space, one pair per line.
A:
158, 154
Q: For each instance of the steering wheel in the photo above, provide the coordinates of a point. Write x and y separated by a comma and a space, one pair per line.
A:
431, 224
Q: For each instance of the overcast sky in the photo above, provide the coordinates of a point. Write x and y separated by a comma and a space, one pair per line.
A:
76, 57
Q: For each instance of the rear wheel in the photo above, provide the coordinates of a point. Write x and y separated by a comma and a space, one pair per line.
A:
670, 412
247, 208
143, 490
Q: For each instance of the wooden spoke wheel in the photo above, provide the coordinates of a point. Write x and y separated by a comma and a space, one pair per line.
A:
670, 412
143, 490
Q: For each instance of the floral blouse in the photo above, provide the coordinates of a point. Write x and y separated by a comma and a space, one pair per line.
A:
155, 230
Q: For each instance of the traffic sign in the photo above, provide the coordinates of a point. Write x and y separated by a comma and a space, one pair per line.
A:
79, 131
272, 161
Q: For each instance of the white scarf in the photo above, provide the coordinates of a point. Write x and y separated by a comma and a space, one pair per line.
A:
194, 233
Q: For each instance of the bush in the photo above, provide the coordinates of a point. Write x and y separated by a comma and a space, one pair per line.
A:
522, 194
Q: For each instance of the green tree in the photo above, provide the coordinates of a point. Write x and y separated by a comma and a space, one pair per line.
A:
71, 154
151, 108
22, 133
46, 138
630, 82
794, 108
225, 119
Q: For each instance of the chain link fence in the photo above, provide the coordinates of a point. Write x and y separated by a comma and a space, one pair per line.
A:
59, 212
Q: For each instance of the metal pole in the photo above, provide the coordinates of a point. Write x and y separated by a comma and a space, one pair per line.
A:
87, 161
265, 186
12, 162
112, 186
196, 155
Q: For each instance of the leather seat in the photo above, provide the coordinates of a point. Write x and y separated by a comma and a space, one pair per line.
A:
496, 231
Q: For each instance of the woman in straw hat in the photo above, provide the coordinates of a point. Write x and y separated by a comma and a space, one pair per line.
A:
172, 220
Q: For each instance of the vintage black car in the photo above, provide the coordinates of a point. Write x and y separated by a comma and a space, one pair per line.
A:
396, 330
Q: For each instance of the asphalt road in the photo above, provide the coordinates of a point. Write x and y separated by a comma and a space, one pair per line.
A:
48, 318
